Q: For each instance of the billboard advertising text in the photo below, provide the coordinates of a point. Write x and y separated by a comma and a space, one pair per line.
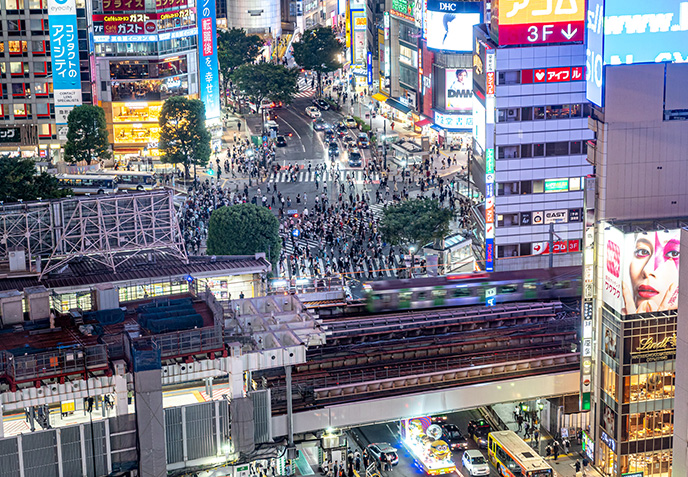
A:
594, 66
65, 57
641, 271
449, 25
536, 22
459, 89
208, 66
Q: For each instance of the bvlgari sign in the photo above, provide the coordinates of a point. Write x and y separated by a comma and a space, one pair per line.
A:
651, 350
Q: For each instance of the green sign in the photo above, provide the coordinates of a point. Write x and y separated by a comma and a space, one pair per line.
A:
556, 185
405, 7
489, 161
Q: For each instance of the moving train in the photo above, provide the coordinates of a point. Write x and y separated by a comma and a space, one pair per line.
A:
473, 289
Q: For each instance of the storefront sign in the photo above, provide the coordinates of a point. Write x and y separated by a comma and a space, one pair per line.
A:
556, 185
123, 5
133, 24
556, 216
575, 215
10, 135
64, 57
170, 3
650, 350
588, 447
453, 121
633, 474
369, 70
208, 65
552, 75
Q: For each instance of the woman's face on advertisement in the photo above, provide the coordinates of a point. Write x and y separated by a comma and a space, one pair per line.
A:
654, 270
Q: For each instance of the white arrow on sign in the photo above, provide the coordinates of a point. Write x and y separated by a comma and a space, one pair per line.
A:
568, 34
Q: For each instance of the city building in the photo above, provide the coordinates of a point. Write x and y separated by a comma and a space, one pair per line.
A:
45, 63
257, 17
146, 53
635, 207
530, 136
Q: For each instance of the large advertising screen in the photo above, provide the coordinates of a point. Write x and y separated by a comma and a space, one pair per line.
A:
449, 25
641, 270
459, 89
638, 31
594, 66
537, 22
208, 66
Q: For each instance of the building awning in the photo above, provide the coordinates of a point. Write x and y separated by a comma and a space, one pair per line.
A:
380, 97
423, 122
398, 106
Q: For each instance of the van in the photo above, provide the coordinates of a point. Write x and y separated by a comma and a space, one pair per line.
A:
475, 463
271, 126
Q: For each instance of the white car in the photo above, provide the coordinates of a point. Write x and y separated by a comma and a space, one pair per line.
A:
350, 122
475, 463
313, 112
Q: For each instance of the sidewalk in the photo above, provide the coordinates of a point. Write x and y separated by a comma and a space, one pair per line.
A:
564, 465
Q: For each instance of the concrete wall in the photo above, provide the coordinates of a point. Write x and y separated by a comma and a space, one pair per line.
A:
255, 16
431, 402
641, 166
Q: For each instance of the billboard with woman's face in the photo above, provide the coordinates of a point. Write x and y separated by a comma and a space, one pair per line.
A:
641, 270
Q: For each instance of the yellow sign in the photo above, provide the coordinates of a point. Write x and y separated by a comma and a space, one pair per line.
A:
655, 351
519, 12
67, 406
360, 22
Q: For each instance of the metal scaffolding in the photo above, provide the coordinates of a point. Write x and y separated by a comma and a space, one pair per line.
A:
109, 229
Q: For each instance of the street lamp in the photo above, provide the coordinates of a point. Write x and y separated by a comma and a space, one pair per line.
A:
412, 250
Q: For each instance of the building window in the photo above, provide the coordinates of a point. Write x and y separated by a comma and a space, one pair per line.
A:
575, 183
557, 149
538, 150
45, 130
38, 4
526, 150
507, 220
19, 90
14, 4
20, 110
38, 27
509, 77
508, 115
504, 251
17, 47
43, 89
538, 113
508, 152
38, 47
538, 187
43, 110
526, 187
41, 68
508, 188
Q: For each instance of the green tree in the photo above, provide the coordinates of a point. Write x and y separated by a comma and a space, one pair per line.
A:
87, 136
235, 48
184, 138
244, 229
261, 81
20, 180
319, 50
414, 223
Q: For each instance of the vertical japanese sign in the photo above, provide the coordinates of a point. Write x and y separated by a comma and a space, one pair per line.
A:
208, 67
369, 70
64, 49
489, 209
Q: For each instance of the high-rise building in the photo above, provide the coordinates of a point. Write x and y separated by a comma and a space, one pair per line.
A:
530, 138
45, 59
635, 207
148, 51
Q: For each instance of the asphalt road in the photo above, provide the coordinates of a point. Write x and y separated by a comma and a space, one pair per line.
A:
389, 433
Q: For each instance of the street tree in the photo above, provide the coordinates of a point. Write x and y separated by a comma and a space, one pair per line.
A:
244, 229
259, 81
184, 139
235, 48
414, 223
20, 180
319, 50
87, 136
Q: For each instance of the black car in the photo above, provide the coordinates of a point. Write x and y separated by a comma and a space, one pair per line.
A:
452, 436
341, 129
355, 158
333, 150
478, 431
363, 142
281, 141
321, 104
330, 135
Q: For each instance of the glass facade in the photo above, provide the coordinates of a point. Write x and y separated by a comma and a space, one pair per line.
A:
635, 409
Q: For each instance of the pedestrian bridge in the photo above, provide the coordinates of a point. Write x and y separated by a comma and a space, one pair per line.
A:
376, 407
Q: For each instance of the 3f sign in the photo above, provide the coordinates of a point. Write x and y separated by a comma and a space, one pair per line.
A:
534, 34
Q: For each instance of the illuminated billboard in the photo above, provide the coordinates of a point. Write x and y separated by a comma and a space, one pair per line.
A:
208, 65
641, 270
633, 31
537, 22
411, 10
459, 89
449, 25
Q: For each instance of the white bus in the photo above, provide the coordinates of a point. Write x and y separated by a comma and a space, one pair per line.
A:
132, 180
88, 183
512, 457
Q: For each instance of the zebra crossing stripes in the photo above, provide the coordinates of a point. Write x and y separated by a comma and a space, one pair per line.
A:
305, 176
305, 88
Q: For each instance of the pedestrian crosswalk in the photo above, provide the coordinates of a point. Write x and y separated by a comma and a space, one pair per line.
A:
319, 266
305, 88
306, 176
